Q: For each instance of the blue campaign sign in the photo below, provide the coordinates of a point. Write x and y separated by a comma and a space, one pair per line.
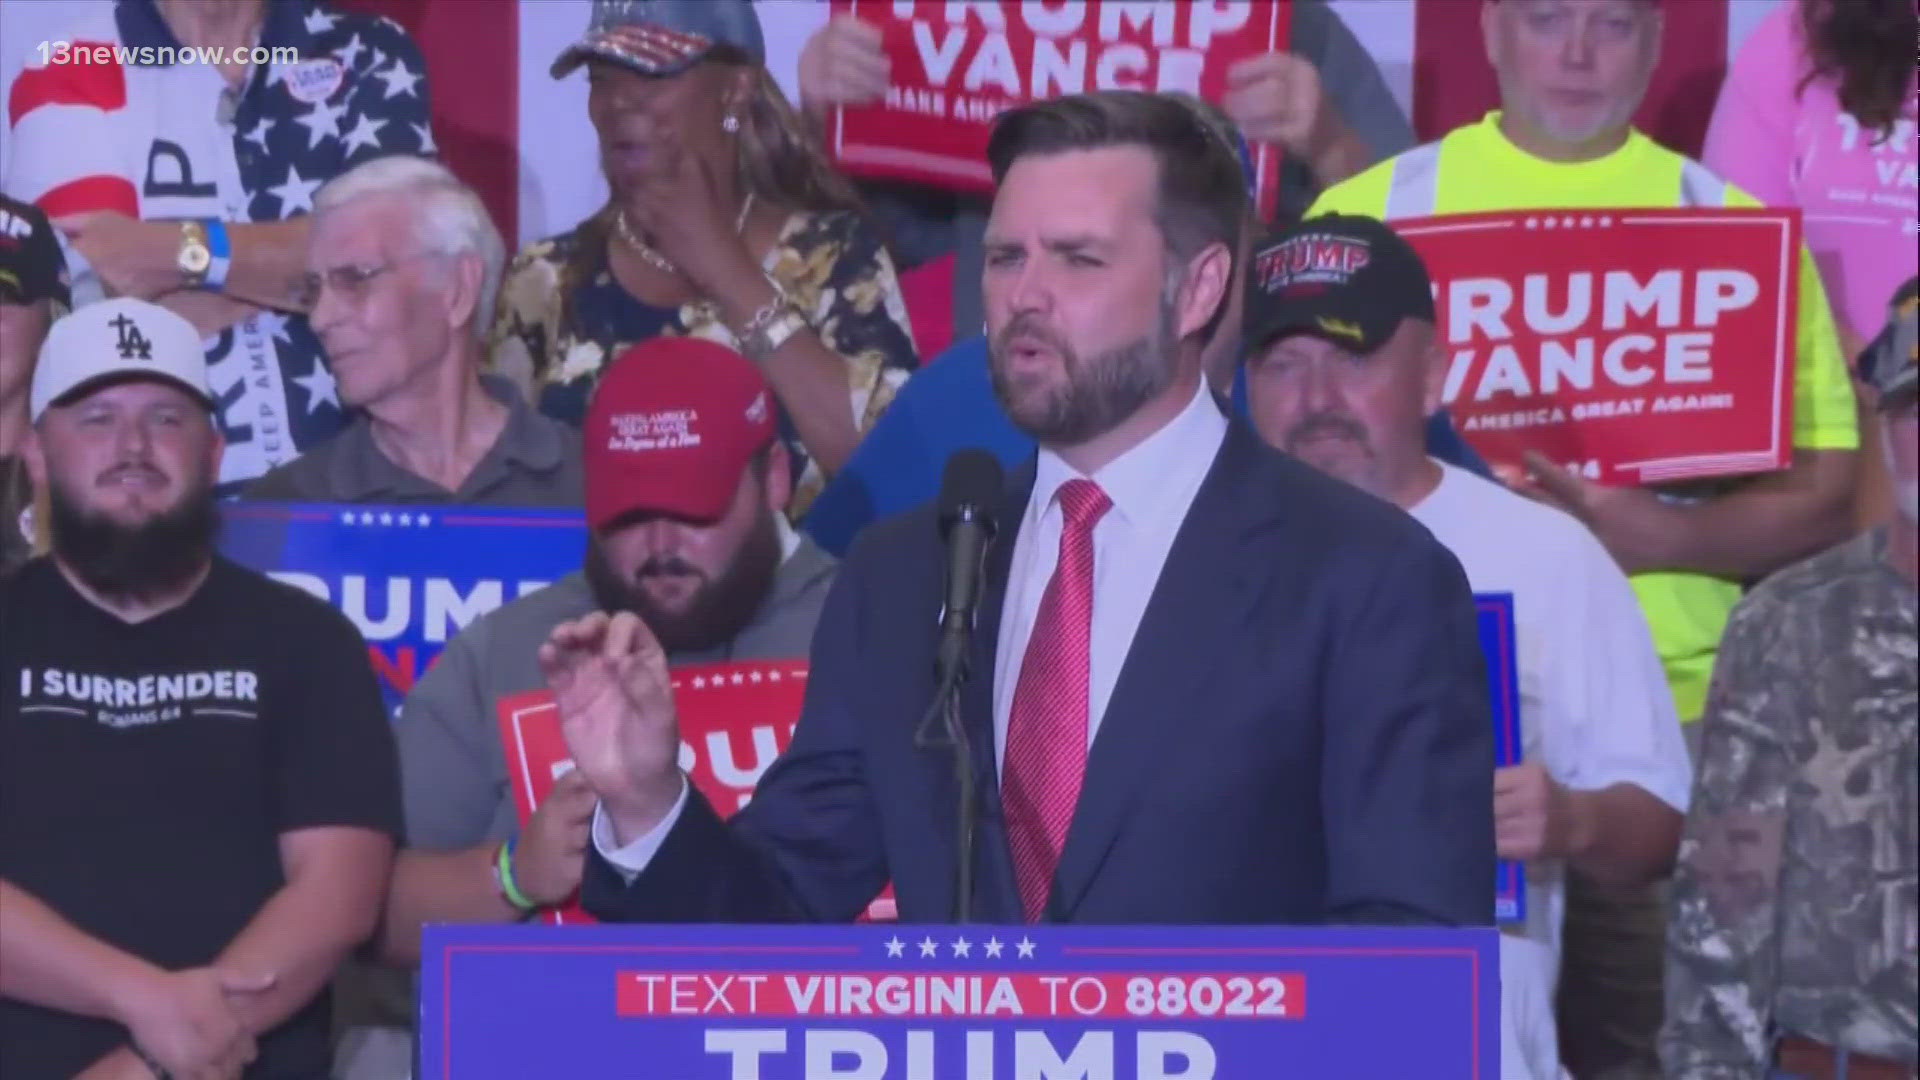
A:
410, 577
1503, 688
895, 1002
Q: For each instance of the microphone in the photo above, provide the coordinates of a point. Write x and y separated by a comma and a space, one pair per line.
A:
969, 491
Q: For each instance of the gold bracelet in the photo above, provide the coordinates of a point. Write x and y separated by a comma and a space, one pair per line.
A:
769, 328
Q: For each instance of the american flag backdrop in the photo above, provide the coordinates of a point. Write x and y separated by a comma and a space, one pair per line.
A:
522, 138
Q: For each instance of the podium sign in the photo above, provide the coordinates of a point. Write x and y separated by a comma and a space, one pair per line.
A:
981, 1002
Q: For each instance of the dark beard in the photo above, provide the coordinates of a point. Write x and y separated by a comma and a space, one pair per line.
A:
1100, 392
718, 610
135, 563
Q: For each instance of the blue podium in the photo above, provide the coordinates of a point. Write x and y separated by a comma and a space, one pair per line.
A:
896, 1002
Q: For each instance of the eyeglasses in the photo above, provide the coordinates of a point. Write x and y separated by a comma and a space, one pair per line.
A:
351, 283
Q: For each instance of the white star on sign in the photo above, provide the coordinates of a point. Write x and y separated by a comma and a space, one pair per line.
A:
929, 948
366, 517
366, 131
993, 948
321, 115
386, 519
425, 521
773, 676
407, 520
320, 387
895, 945
346, 517
399, 78
258, 135
351, 52
319, 22
296, 193
1025, 946
963, 947
738, 678
754, 677
699, 682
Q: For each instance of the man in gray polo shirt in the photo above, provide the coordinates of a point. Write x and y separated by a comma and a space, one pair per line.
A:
404, 264
686, 491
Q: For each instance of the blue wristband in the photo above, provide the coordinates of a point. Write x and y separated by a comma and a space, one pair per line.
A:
220, 247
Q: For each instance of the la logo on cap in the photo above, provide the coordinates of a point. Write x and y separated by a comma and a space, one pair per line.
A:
133, 344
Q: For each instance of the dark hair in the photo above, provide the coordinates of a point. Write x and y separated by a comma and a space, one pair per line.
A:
1867, 47
1202, 195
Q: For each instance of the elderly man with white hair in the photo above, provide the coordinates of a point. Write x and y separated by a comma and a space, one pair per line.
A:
403, 266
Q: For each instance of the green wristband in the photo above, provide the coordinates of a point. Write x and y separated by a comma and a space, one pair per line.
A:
503, 872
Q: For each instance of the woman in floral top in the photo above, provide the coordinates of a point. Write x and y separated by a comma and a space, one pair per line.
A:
723, 222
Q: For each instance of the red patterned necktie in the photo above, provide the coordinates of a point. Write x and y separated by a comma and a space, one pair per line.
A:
1047, 728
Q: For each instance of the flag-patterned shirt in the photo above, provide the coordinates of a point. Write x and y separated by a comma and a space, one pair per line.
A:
155, 132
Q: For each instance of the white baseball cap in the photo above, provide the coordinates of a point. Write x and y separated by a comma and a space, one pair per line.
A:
115, 339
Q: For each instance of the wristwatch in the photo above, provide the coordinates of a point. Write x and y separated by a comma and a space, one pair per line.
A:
196, 254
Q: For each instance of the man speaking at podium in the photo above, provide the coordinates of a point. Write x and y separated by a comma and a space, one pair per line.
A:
1207, 684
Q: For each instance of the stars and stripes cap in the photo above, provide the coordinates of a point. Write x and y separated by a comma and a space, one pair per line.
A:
112, 340
664, 37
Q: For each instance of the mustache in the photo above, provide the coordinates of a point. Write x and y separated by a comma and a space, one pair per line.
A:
141, 469
666, 565
1030, 326
1320, 424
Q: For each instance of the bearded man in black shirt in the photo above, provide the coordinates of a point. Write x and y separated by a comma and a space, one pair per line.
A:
198, 787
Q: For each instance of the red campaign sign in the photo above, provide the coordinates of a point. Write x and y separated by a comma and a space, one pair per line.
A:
1628, 346
957, 65
735, 718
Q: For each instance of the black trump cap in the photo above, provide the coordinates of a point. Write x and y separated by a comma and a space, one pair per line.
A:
1350, 280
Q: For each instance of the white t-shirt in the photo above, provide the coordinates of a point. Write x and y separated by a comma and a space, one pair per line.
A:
1594, 704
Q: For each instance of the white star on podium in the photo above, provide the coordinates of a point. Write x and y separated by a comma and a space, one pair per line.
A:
993, 948
1026, 947
929, 948
963, 947
895, 945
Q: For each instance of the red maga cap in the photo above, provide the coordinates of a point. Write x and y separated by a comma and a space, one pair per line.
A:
673, 425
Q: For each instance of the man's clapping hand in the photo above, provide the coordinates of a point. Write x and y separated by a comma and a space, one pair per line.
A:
551, 854
609, 679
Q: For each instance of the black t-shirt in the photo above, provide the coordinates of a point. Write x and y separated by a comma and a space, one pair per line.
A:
147, 770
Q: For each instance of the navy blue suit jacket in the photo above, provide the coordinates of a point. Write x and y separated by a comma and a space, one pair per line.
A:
1300, 734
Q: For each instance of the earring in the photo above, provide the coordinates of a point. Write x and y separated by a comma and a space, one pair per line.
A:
730, 124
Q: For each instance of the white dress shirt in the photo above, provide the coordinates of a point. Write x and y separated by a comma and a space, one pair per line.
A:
1152, 486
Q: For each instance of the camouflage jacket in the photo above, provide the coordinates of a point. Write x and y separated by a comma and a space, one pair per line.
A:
1794, 903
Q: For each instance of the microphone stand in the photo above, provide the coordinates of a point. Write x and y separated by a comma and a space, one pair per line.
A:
942, 728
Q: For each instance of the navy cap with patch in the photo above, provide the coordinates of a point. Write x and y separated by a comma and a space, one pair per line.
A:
1350, 280
665, 37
